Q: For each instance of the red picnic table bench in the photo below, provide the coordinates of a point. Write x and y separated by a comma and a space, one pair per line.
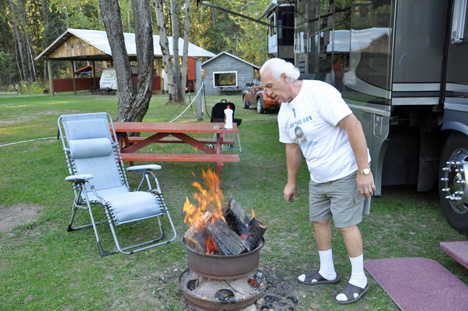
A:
179, 133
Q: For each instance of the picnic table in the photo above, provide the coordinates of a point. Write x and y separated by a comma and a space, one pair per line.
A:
180, 133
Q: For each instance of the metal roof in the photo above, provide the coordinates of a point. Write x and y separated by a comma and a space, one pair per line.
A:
98, 39
233, 56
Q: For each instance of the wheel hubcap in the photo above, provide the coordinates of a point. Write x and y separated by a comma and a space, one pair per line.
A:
454, 180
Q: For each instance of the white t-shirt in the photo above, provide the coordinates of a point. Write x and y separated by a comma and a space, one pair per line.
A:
311, 120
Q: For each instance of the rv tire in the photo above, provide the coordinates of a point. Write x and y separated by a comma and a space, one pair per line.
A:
453, 188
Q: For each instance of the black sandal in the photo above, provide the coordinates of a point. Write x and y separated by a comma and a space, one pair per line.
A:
319, 279
349, 291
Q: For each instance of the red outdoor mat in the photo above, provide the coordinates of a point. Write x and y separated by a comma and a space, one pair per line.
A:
419, 284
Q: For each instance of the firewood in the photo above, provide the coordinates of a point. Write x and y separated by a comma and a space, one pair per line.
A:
226, 240
255, 233
236, 217
197, 236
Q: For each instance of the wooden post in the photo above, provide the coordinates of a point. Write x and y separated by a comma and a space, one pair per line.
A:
73, 76
198, 78
94, 76
51, 78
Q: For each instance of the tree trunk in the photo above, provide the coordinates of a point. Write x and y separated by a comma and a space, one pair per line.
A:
19, 43
27, 43
145, 57
45, 16
185, 50
164, 43
133, 105
175, 49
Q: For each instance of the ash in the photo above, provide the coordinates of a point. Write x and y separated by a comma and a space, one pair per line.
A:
278, 294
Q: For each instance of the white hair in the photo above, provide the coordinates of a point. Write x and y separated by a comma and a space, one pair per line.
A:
279, 66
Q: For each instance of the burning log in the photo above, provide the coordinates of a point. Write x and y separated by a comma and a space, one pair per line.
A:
226, 240
227, 233
210, 234
197, 237
236, 218
255, 233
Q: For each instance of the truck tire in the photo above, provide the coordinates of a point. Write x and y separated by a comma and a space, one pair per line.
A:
453, 188
246, 104
260, 106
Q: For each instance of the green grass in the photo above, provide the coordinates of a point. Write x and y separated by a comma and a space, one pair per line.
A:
44, 267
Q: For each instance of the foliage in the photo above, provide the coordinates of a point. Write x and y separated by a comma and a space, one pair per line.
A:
219, 31
45, 21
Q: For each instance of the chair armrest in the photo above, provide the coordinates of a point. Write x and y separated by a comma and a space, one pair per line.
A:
143, 168
79, 178
146, 171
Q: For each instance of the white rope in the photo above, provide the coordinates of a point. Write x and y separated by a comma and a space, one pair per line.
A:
196, 96
27, 141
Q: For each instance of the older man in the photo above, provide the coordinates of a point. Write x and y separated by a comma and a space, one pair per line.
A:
315, 121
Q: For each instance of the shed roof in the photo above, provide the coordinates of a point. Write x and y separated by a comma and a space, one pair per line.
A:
76, 44
233, 56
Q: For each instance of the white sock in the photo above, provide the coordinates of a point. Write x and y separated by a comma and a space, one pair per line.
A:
358, 277
327, 268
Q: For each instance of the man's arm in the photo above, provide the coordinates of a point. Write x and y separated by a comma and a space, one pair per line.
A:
357, 140
293, 162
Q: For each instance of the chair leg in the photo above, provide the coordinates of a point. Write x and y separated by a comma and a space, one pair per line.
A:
134, 248
70, 225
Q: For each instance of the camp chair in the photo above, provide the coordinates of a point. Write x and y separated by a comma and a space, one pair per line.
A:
217, 115
98, 176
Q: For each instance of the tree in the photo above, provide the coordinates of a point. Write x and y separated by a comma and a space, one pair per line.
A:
133, 101
176, 82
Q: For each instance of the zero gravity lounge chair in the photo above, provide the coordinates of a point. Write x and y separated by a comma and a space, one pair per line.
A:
98, 176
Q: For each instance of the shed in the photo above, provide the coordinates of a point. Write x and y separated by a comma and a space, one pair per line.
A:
93, 45
227, 74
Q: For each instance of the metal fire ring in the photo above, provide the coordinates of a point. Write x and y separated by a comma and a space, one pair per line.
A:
203, 294
220, 267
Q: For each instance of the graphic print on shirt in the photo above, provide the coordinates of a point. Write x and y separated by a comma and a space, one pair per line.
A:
298, 129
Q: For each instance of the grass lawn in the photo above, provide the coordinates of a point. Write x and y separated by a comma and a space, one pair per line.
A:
44, 267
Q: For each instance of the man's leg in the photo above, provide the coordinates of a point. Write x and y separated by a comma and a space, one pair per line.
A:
323, 237
353, 241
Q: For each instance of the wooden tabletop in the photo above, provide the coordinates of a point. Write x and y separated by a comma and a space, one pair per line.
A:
179, 127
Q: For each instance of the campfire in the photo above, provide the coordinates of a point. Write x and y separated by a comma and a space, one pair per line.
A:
223, 245
219, 230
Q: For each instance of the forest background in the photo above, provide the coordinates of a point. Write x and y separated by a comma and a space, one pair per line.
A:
35, 24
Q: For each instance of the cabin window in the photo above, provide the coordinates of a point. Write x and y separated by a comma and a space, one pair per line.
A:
226, 78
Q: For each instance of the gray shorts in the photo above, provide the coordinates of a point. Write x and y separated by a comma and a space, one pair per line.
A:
340, 199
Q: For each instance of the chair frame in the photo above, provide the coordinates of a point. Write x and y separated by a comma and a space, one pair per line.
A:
82, 201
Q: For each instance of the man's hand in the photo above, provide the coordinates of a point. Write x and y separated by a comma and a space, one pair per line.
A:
365, 184
290, 192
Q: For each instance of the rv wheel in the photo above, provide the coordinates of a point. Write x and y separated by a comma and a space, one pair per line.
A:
453, 188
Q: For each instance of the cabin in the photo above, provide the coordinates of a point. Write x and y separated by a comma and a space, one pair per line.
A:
227, 74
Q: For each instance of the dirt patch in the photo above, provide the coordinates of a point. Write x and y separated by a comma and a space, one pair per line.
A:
18, 214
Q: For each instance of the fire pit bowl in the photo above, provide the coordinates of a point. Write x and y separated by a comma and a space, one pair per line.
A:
220, 267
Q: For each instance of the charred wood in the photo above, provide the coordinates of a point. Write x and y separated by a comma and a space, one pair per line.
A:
196, 236
236, 217
226, 240
255, 233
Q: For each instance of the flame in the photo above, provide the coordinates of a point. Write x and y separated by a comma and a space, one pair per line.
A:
209, 199
253, 214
